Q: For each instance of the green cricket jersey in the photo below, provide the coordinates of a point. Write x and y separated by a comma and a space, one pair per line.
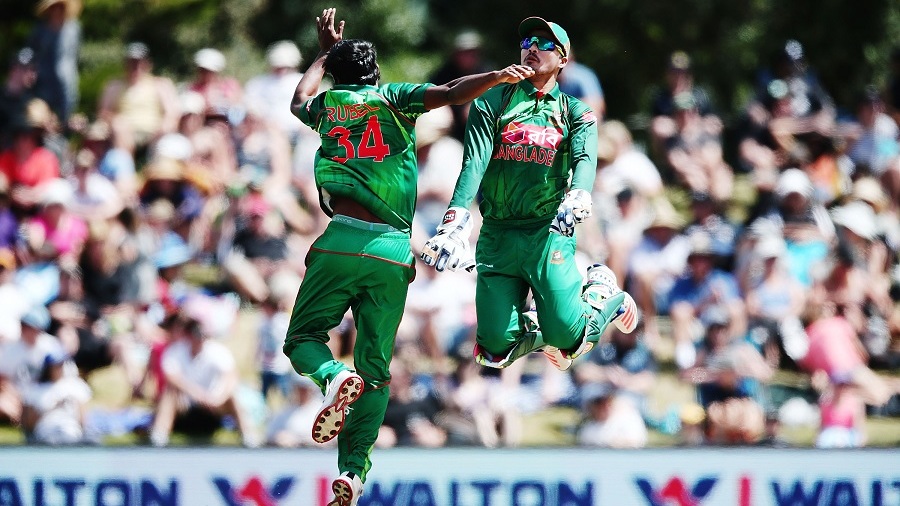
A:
521, 157
368, 150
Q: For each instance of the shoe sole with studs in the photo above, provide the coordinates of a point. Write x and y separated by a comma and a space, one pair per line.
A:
330, 420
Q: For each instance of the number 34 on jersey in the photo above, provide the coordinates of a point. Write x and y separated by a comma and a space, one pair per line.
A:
371, 143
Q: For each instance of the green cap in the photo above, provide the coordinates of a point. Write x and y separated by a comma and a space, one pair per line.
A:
530, 25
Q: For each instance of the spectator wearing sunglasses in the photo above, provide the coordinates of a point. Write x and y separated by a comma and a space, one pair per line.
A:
523, 143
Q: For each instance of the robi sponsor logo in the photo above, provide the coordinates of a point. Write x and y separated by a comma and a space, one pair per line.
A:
534, 135
524, 142
254, 491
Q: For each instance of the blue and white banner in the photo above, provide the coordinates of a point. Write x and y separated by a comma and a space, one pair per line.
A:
451, 477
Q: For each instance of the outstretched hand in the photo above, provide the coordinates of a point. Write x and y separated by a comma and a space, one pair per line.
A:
514, 73
328, 35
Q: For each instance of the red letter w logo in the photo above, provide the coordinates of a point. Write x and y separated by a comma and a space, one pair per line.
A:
253, 491
675, 492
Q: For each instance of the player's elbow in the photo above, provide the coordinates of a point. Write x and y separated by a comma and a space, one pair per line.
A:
455, 97
439, 96
297, 105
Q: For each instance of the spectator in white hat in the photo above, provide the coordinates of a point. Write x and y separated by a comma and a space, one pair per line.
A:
775, 303
857, 224
267, 93
55, 407
859, 284
802, 222
22, 361
223, 94
869, 191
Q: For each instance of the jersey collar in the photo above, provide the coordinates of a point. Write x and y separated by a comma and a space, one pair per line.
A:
529, 88
354, 87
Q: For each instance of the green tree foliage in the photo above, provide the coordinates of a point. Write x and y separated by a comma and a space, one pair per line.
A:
397, 27
625, 41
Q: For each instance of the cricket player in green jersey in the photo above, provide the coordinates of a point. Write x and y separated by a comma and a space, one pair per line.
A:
530, 150
365, 172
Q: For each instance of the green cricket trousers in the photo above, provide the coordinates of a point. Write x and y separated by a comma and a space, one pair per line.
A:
365, 267
515, 259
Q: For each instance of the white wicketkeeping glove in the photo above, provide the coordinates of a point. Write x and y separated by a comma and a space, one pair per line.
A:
574, 208
450, 249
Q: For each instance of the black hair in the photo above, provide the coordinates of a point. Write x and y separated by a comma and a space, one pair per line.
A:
353, 61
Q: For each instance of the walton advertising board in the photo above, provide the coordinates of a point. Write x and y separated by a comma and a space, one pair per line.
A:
458, 477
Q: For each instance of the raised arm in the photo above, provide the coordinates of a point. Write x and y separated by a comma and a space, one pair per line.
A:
308, 86
465, 89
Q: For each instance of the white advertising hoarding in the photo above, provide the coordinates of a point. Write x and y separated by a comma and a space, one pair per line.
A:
451, 477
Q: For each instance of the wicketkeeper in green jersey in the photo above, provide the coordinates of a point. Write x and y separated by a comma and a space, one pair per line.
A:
530, 150
365, 172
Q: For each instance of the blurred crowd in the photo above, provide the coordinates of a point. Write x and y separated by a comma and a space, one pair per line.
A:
146, 234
